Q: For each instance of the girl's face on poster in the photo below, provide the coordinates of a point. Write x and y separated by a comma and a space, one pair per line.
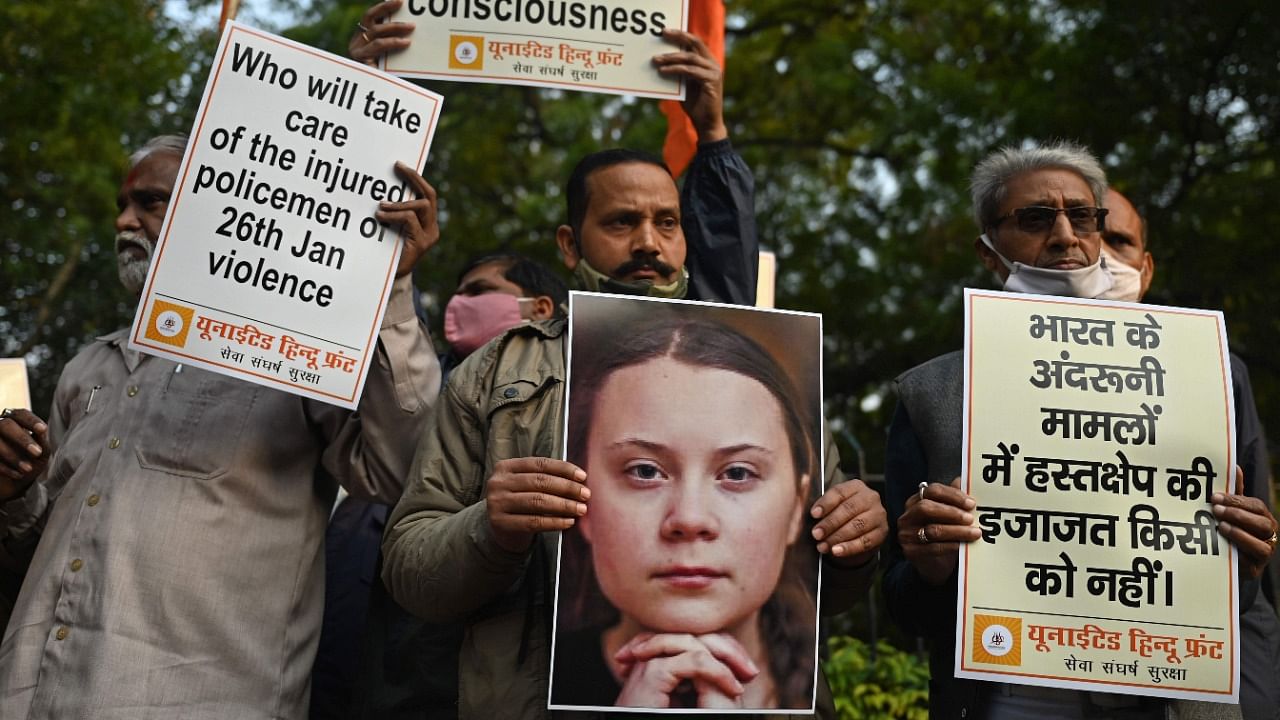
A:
694, 495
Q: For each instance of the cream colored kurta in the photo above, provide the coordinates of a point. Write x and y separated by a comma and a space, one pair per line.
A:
180, 565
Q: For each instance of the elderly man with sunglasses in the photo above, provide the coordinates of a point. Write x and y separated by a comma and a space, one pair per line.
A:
1041, 217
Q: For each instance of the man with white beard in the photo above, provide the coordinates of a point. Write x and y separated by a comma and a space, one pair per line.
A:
173, 518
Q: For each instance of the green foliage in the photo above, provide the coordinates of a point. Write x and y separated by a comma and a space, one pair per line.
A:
82, 81
894, 684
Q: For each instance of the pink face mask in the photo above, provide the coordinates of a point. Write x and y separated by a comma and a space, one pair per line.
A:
473, 320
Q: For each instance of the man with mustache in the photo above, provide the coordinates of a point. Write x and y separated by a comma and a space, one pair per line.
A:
472, 540
1124, 245
1041, 217
173, 518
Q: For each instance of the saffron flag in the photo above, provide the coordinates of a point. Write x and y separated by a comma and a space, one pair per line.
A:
229, 10
706, 20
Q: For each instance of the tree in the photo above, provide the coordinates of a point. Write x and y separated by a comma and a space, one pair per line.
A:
82, 81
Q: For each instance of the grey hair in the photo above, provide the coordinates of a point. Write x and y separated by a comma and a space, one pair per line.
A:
990, 178
160, 143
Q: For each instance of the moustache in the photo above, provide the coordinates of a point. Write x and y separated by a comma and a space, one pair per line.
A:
132, 237
643, 262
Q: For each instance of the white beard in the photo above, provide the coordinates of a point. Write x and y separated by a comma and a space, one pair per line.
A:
133, 272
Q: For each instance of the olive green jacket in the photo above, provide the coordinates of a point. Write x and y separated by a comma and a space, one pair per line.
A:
440, 559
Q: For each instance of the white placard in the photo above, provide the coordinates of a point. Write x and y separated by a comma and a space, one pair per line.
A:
14, 390
603, 46
270, 265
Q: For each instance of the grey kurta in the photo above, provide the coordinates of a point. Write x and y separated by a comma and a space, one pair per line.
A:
179, 571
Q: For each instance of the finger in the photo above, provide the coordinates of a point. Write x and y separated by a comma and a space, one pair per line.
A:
389, 30
417, 207
702, 75
377, 13
838, 494
16, 456
20, 439
664, 645
1256, 521
624, 653
940, 494
12, 466
841, 504
686, 40
696, 664
1257, 551
530, 524
542, 504
374, 49
416, 182
407, 218
703, 666
729, 651
548, 466
941, 535
380, 39
710, 697
685, 58
931, 512
28, 420
720, 646
1237, 500
11, 474
862, 534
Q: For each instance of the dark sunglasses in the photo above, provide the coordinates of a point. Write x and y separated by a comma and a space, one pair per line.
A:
1037, 219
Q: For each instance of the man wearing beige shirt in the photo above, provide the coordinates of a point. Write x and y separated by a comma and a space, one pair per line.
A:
173, 518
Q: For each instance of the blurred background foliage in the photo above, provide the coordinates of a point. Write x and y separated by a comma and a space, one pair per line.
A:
861, 121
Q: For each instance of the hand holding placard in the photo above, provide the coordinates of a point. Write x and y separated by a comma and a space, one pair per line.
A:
279, 220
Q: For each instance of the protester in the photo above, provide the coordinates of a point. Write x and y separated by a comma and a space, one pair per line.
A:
496, 292
1124, 244
688, 564
172, 517
470, 540
1055, 251
716, 202
374, 658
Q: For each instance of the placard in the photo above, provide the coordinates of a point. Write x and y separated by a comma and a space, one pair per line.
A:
14, 389
270, 265
700, 429
603, 46
1095, 434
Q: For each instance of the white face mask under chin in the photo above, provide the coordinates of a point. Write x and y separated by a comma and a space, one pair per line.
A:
1126, 281
1094, 281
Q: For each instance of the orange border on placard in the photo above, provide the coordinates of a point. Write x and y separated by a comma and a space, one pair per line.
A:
427, 75
194, 141
964, 619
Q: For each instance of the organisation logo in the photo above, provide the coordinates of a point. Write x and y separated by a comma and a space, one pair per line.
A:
464, 52
169, 323
997, 640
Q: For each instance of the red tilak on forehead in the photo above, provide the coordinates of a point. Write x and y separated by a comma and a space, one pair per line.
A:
133, 175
